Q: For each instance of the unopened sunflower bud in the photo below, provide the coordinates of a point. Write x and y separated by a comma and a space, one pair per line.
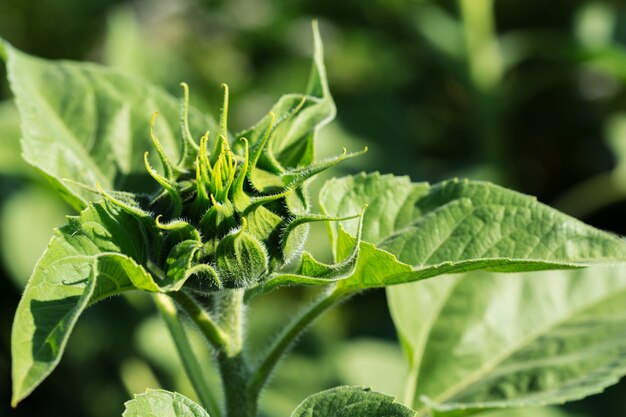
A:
233, 215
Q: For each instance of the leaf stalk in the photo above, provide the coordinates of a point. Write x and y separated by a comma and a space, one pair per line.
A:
290, 334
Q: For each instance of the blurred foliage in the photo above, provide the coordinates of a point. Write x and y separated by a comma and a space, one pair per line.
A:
530, 97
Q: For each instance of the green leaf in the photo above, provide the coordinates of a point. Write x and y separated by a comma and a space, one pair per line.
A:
87, 260
480, 341
298, 117
161, 403
351, 402
457, 226
89, 124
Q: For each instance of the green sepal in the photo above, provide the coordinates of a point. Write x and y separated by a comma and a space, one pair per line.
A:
165, 160
222, 133
175, 231
171, 187
128, 204
264, 181
180, 227
295, 177
263, 223
256, 202
294, 236
241, 259
203, 278
187, 144
178, 265
237, 194
218, 220
312, 272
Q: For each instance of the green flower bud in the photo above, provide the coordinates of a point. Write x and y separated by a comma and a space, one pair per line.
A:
226, 217
241, 259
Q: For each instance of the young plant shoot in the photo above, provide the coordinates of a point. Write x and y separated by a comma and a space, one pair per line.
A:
206, 221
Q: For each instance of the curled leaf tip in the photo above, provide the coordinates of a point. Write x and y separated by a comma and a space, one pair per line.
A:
158, 221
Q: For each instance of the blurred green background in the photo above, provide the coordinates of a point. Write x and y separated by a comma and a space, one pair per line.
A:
531, 95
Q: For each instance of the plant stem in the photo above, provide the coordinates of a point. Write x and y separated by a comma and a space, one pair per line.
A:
230, 310
213, 333
192, 367
229, 313
297, 326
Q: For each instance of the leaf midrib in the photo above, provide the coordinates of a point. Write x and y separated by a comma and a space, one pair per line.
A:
490, 366
422, 343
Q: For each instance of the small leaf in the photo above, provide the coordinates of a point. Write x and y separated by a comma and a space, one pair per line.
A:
480, 341
90, 124
351, 402
457, 226
298, 117
161, 403
241, 259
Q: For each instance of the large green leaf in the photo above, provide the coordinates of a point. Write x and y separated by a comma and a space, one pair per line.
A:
483, 340
420, 231
96, 255
161, 403
89, 124
351, 402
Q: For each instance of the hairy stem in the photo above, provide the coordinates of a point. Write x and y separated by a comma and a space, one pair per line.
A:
192, 367
213, 333
230, 312
282, 344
